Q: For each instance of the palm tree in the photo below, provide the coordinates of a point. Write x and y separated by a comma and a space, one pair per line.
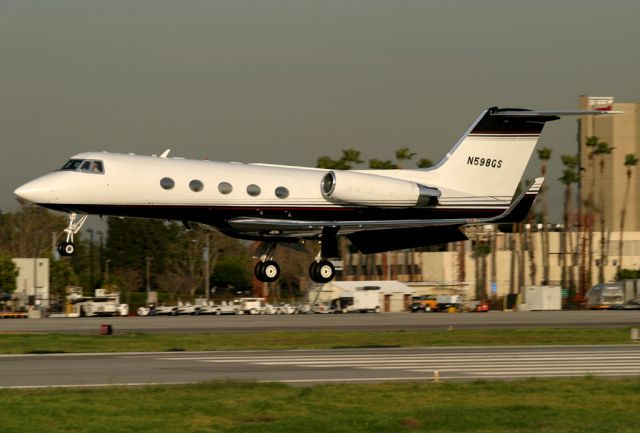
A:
425, 163
602, 149
569, 177
544, 155
587, 221
480, 251
404, 154
630, 161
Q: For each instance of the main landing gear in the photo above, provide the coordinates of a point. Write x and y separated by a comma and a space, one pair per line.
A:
321, 270
267, 270
67, 248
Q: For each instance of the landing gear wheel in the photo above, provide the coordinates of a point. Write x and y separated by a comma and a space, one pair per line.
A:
267, 271
66, 248
322, 271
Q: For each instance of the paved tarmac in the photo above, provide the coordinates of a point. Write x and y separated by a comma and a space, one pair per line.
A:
382, 321
306, 367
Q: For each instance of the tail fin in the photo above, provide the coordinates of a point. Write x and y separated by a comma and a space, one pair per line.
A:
490, 159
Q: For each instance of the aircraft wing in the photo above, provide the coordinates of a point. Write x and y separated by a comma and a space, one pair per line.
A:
366, 234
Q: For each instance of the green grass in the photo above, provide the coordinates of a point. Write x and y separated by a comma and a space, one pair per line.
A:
562, 405
65, 343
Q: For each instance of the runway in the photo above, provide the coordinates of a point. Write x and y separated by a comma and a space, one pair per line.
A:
318, 322
304, 367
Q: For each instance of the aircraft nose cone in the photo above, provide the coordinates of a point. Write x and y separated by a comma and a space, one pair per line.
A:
36, 191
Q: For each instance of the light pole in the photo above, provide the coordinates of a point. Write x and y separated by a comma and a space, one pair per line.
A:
106, 271
205, 259
90, 231
101, 251
148, 259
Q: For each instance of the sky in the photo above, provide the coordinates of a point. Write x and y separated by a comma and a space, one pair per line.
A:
286, 81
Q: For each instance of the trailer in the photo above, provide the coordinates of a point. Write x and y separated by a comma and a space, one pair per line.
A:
364, 300
604, 296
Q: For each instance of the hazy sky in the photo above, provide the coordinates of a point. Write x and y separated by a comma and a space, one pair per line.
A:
288, 81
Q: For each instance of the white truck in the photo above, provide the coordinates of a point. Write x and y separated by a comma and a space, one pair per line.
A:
252, 305
364, 300
102, 304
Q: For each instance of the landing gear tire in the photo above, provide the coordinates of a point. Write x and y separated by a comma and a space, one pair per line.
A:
322, 271
66, 248
267, 271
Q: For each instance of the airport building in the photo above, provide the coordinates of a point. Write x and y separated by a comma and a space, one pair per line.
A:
514, 261
604, 178
32, 283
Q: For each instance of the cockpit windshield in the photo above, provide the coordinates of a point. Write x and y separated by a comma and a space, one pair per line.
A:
84, 165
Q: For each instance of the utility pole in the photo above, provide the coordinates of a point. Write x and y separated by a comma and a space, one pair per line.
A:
148, 259
90, 231
106, 271
101, 252
205, 259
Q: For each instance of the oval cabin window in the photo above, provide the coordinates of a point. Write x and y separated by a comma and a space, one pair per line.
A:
225, 187
282, 192
253, 190
196, 185
167, 183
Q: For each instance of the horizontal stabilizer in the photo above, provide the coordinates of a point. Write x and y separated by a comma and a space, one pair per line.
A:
530, 113
521, 206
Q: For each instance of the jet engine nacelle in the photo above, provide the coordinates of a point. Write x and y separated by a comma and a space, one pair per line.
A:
373, 190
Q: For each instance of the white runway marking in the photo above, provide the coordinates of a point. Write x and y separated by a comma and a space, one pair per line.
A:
502, 363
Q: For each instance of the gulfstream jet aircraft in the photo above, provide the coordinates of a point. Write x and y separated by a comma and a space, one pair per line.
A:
377, 210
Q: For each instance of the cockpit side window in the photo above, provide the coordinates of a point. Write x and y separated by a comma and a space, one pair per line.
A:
86, 166
72, 164
97, 167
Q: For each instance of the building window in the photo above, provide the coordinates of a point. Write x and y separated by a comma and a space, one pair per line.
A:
282, 192
196, 185
225, 187
167, 183
253, 190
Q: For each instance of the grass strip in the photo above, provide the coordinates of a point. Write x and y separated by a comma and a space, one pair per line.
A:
554, 405
66, 343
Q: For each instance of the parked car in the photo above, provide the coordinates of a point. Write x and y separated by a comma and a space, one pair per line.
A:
482, 307
224, 307
285, 309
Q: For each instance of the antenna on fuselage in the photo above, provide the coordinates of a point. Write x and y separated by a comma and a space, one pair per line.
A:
165, 153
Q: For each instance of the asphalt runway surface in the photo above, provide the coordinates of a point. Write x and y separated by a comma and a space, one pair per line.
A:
308, 367
328, 322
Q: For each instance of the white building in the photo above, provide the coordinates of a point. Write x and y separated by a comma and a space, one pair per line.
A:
32, 284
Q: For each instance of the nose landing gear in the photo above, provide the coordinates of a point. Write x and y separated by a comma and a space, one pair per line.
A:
67, 248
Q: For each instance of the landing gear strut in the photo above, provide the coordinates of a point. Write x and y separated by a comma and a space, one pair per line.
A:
266, 270
321, 269
67, 248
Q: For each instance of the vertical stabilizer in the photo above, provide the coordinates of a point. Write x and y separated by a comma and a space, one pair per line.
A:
490, 159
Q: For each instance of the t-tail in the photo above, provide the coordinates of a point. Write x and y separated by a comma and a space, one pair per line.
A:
488, 162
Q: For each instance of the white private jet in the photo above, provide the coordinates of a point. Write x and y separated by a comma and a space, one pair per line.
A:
377, 210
